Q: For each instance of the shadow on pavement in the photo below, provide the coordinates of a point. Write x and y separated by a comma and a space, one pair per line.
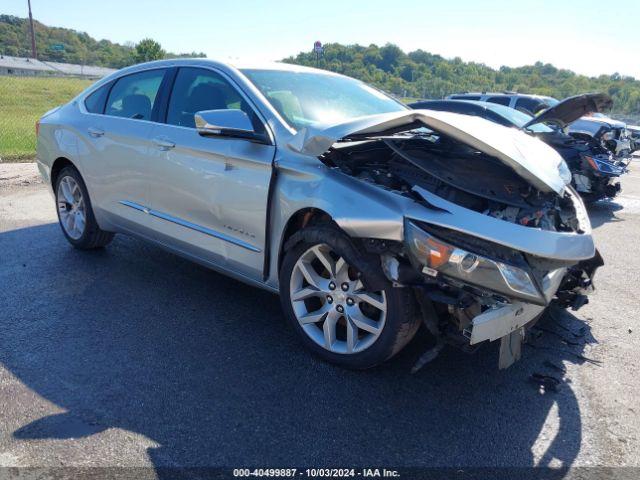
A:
135, 338
603, 212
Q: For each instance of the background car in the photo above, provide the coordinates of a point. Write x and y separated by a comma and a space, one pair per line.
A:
594, 172
610, 133
531, 104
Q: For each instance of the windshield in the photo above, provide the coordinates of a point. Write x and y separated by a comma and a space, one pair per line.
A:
308, 98
518, 118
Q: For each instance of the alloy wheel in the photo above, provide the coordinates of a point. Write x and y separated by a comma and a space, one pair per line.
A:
332, 305
71, 207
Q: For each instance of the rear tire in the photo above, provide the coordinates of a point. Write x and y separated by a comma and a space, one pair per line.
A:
358, 322
75, 213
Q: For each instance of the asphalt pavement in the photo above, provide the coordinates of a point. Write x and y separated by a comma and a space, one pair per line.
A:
131, 356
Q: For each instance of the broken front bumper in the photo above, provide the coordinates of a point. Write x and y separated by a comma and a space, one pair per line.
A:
508, 321
505, 318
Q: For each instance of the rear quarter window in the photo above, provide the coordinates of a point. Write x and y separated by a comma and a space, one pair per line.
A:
94, 103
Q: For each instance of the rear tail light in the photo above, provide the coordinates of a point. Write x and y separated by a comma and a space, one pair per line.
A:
37, 127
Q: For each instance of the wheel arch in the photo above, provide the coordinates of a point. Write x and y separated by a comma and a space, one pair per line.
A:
57, 166
298, 220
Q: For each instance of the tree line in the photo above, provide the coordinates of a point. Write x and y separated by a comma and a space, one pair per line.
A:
417, 74
420, 74
76, 47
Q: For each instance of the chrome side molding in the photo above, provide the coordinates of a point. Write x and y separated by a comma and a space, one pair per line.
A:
190, 225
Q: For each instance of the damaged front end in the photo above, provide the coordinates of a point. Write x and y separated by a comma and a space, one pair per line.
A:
493, 232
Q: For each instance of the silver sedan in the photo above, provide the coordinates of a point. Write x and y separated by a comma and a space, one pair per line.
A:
368, 218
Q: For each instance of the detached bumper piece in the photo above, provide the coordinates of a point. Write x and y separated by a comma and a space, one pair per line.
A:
507, 322
578, 282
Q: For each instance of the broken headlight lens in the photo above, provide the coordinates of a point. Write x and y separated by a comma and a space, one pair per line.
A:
603, 166
441, 258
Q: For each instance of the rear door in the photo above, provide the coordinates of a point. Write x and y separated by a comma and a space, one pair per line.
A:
209, 195
120, 141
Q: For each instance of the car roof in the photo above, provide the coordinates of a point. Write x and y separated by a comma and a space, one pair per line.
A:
500, 94
476, 103
223, 65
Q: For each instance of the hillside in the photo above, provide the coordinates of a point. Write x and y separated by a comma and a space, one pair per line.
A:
420, 74
79, 47
417, 74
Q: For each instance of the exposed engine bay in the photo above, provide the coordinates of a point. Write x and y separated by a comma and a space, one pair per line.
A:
457, 173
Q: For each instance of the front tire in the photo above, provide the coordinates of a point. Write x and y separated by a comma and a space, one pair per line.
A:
340, 303
75, 213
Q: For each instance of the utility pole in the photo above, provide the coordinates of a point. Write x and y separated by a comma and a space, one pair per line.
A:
34, 53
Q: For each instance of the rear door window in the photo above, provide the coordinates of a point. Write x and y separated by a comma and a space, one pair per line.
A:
530, 105
500, 100
134, 96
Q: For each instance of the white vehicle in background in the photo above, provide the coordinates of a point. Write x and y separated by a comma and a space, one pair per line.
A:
611, 134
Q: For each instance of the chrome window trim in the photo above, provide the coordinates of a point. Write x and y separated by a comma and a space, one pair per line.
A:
190, 225
103, 82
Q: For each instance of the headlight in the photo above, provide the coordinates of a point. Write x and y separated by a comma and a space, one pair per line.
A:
603, 166
438, 257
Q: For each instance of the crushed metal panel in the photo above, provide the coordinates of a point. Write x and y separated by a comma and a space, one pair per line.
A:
531, 158
543, 243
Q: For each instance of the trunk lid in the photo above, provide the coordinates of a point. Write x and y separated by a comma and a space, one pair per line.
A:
529, 157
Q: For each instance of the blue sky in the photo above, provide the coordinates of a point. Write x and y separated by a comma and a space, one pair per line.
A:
589, 37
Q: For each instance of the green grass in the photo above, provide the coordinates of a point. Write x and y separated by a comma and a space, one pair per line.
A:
23, 100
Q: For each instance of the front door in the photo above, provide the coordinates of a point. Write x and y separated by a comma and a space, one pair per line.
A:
209, 195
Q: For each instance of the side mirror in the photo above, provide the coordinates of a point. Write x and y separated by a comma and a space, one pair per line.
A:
227, 123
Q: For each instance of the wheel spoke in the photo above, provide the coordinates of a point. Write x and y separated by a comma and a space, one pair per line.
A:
342, 270
76, 190
66, 191
306, 292
329, 328
310, 275
352, 335
325, 259
364, 323
315, 316
79, 221
372, 299
70, 223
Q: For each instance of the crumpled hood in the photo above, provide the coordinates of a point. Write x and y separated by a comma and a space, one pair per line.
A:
529, 157
572, 108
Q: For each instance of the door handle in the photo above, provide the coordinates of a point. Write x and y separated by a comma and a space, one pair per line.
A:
163, 143
95, 132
